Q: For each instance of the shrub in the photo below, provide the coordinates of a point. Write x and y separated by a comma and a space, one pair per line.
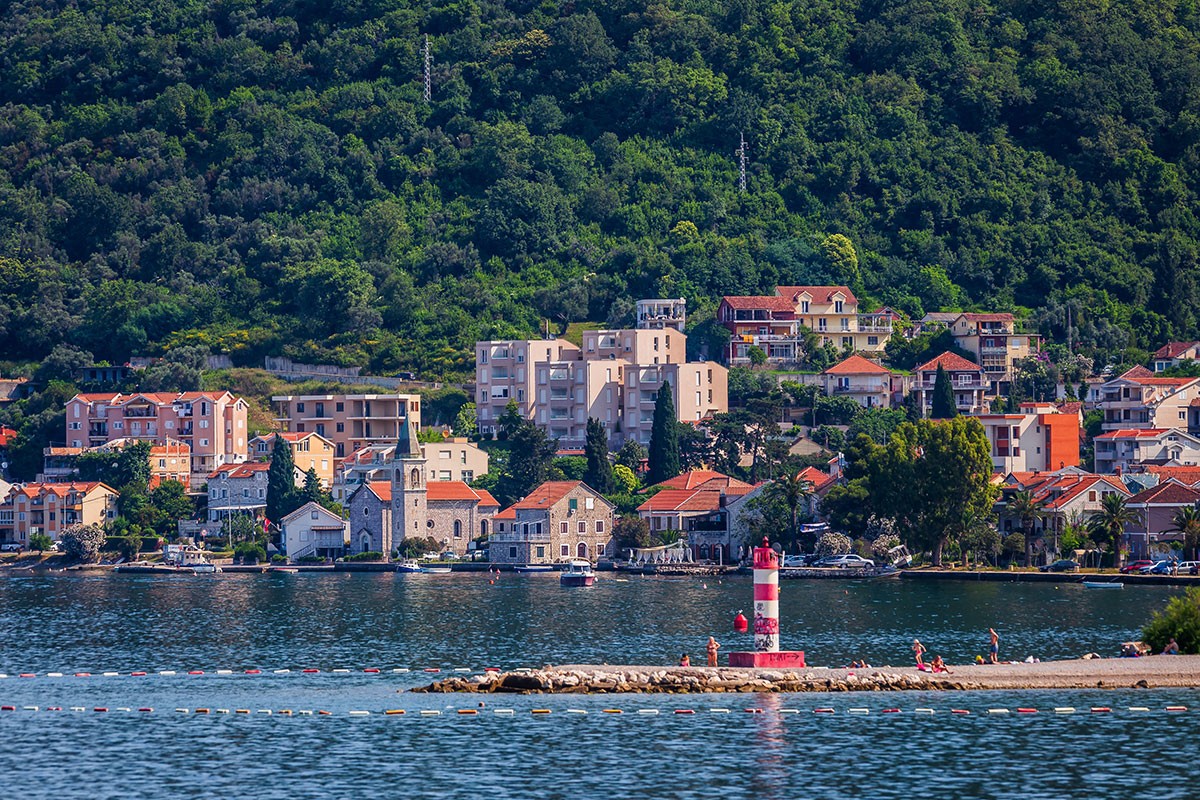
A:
249, 553
833, 544
1179, 620
83, 542
311, 560
40, 542
370, 555
278, 559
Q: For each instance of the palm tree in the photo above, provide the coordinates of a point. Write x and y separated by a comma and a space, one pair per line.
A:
793, 491
1187, 522
668, 536
1110, 521
1028, 509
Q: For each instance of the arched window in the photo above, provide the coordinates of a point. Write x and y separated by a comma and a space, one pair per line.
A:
581, 550
457, 529
483, 527
703, 552
414, 480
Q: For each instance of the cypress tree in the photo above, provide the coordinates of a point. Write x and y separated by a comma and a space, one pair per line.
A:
664, 438
599, 474
942, 406
281, 482
312, 491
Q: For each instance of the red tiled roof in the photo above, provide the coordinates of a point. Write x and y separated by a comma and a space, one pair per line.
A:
486, 499
821, 294
1166, 494
96, 397
1174, 349
1073, 407
381, 489
683, 500
1188, 475
816, 477
1144, 377
6, 435
60, 489
1134, 433
68, 451
244, 470
508, 513
698, 477
951, 362
1061, 491
857, 365
547, 494
449, 490
766, 302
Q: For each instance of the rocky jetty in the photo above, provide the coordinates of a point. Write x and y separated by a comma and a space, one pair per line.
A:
685, 680
1087, 673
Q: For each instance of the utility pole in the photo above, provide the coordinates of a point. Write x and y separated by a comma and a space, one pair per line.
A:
741, 154
428, 71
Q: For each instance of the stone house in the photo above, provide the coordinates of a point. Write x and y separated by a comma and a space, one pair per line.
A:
556, 521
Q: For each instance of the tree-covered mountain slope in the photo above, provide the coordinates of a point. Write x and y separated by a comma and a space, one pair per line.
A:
266, 177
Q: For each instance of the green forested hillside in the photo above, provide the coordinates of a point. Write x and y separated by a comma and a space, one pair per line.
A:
264, 177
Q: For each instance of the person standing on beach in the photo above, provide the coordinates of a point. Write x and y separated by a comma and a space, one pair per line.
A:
993, 646
919, 652
711, 648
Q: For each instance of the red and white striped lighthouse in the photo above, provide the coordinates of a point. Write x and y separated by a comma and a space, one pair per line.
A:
766, 617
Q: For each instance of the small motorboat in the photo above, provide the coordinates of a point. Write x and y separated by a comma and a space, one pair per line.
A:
436, 570
1103, 585
409, 565
534, 568
578, 573
288, 570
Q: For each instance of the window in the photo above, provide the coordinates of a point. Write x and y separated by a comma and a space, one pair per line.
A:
565, 550
512, 552
340, 407
872, 341
562, 527
837, 306
366, 511
299, 408
457, 529
599, 526
204, 442
540, 551
589, 503
573, 504
313, 515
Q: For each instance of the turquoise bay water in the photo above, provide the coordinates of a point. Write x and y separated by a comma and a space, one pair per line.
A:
143, 623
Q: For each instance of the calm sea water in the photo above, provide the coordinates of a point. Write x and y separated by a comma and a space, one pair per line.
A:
98, 623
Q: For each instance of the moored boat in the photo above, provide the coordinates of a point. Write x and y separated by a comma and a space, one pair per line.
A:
1103, 585
436, 570
534, 568
409, 565
578, 573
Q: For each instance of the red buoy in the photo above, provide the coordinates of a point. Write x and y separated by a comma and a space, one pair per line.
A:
740, 623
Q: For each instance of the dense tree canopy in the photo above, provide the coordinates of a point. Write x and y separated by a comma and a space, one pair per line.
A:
265, 178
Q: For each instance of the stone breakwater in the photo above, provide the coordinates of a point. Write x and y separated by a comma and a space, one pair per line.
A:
1103, 673
687, 680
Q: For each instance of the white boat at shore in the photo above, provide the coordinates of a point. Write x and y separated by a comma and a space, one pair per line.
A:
436, 570
534, 568
578, 573
1103, 585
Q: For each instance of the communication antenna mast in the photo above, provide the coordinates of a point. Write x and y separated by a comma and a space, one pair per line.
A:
741, 154
428, 70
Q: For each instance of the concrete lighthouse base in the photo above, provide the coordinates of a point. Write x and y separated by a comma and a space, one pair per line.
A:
779, 659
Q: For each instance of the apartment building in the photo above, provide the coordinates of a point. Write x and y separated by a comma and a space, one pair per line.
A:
211, 424
350, 421
456, 459
867, 382
1123, 449
309, 451
614, 377
766, 322
966, 379
1172, 354
994, 341
832, 313
662, 314
1040, 438
1140, 399
169, 461
50, 508
556, 521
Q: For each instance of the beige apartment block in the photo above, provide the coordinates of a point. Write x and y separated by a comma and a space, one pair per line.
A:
211, 424
559, 386
504, 372
309, 451
832, 313
349, 421
1138, 398
50, 508
994, 341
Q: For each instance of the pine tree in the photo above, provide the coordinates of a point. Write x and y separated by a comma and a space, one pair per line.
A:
281, 482
599, 474
942, 406
664, 438
530, 454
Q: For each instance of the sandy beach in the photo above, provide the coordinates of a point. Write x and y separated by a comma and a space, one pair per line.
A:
1103, 673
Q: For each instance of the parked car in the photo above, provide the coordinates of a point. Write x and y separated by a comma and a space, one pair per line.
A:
1157, 568
10, 547
1062, 565
794, 561
850, 561
448, 556
1135, 566
1189, 567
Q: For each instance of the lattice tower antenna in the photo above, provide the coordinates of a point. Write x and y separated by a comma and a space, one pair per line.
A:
428, 70
741, 154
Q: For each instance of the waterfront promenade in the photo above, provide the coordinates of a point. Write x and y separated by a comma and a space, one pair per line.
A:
1148, 672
